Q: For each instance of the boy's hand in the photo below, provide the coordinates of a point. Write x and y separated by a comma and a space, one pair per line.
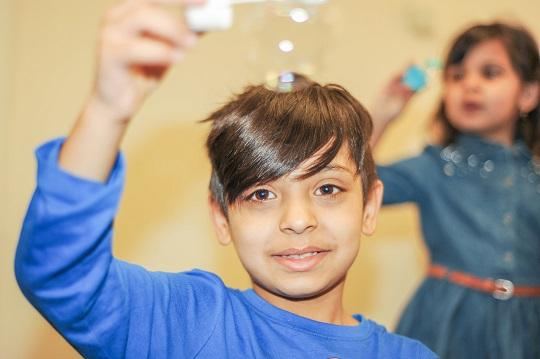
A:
139, 41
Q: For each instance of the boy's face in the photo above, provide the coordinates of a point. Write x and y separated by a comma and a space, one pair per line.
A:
298, 238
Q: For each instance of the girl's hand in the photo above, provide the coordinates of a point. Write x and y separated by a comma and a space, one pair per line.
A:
389, 105
138, 43
392, 100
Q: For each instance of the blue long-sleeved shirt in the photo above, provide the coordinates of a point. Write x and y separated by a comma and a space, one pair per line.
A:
107, 308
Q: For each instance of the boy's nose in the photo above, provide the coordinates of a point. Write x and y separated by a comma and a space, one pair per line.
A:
298, 217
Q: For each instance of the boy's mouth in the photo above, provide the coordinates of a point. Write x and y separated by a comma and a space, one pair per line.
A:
300, 260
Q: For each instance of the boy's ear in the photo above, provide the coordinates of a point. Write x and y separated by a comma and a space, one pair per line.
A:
529, 97
220, 221
371, 208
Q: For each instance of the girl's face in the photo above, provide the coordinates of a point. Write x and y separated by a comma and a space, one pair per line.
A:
484, 94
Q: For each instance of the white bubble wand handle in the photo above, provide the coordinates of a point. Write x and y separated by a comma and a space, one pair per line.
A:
213, 15
239, 2
217, 15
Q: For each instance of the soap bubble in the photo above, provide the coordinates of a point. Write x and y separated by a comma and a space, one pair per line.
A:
288, 36
286, 45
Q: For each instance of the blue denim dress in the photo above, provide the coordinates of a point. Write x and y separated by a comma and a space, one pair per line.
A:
479, 205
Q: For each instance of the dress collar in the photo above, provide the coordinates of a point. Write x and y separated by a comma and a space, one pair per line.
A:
478, 145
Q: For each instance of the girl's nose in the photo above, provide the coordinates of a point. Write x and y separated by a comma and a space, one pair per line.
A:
298, 217
472, 82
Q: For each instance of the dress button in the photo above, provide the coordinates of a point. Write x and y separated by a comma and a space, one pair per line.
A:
507, 219
508, 257
508, 182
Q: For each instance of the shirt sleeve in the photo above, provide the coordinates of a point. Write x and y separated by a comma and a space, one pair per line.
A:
407, 180
104, 307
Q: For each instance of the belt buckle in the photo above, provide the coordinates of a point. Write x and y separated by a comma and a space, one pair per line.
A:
504, 289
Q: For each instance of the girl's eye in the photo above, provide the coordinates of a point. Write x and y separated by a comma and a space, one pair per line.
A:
327, 190
455, 75
490, 72
261, 195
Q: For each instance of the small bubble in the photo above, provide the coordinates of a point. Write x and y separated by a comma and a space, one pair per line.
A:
531, 178
449, 169
456, 157
285, 82
489, 166
286, 77
472, 161
446, 152
286, 45
299, 15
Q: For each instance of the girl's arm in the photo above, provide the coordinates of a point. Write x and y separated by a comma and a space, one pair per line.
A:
389, 105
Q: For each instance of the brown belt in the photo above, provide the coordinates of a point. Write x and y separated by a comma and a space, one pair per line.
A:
502, 289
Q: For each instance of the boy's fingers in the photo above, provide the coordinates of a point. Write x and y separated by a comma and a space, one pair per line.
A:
176, 2
149, 52
120, 10
153, 21
168, 2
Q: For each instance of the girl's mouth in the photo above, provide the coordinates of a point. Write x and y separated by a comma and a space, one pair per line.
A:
472, 106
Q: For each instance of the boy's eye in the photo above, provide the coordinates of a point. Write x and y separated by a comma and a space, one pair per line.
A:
327, 189
261, 195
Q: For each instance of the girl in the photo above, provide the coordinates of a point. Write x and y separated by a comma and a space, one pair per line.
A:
478, 192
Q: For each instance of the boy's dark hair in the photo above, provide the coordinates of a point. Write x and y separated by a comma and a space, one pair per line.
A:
263, 134
523, 53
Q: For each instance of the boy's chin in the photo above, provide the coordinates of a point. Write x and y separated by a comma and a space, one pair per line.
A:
299, 291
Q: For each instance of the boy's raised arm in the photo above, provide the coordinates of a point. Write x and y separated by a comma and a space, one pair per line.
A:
64, 263
139, 41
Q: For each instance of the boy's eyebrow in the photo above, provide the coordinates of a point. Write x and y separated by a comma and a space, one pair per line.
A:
336, 167
329, 167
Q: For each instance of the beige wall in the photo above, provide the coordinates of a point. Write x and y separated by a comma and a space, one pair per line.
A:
47, 52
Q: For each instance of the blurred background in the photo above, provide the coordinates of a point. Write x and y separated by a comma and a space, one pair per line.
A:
47, 52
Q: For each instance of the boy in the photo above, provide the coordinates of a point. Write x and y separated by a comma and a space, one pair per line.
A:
293, 186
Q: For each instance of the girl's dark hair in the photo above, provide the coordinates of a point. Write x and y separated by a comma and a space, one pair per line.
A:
523, 52
263, 134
